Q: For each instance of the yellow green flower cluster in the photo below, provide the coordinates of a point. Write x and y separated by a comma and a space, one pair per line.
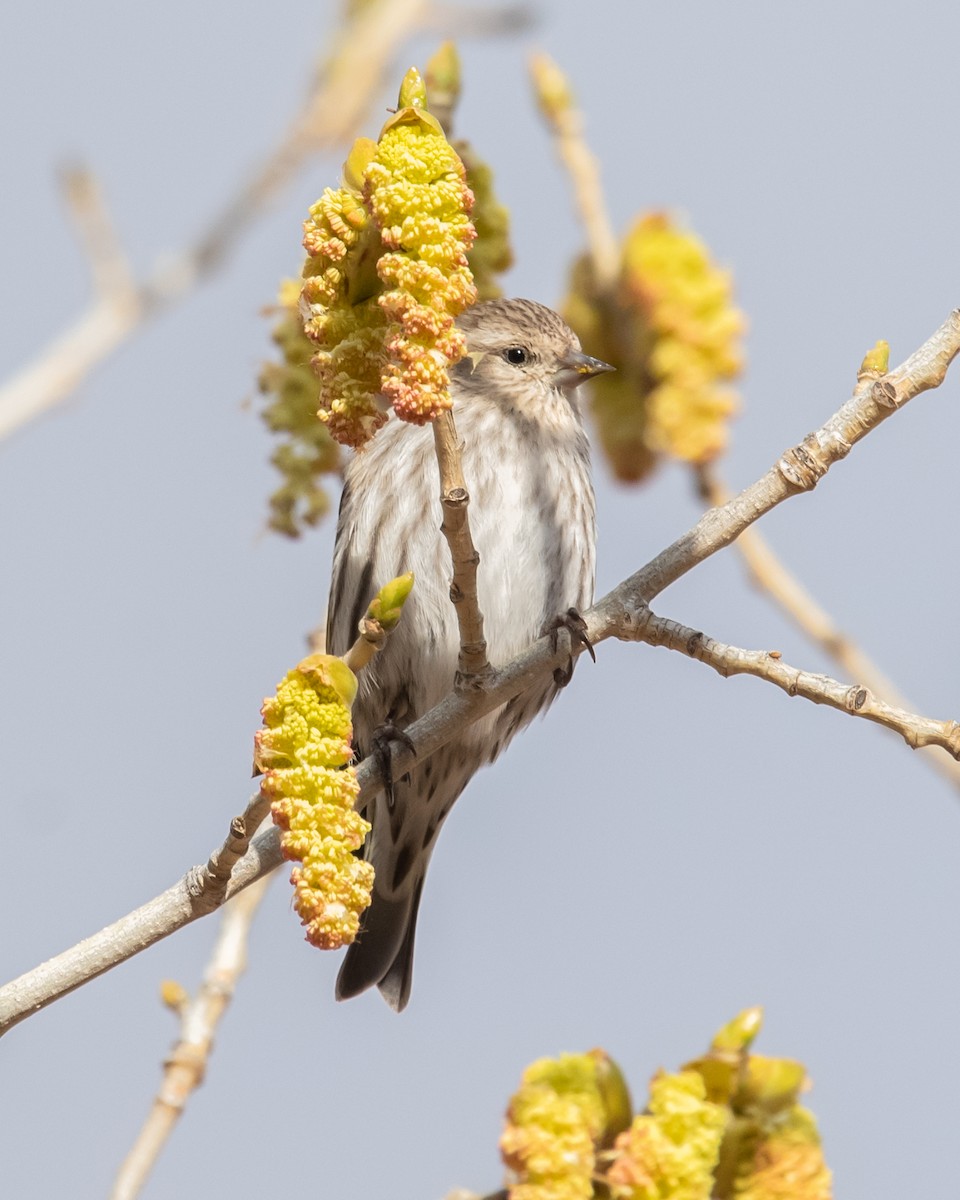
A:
771, 1148
338, 305
387, 274
670, 328
727, 1126
416, 191
784, 1163
304, 754
307, 451
554, 1124
671, 1150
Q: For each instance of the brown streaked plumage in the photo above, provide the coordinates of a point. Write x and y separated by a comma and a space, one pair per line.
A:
526, 463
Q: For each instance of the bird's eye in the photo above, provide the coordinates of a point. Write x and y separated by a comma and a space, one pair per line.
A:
516, 355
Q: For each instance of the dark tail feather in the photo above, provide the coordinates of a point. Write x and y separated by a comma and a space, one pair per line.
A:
396, 984
383, 951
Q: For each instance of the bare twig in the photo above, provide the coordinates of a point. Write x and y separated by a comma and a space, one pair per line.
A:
472, 666
768, 573
370, 641
566, 124
216, 875
853, 699
775, 580
622, 614
112, 273
334, 109
186, 1064
372, 637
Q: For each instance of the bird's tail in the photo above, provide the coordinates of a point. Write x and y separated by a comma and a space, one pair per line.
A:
399, 847
382, 955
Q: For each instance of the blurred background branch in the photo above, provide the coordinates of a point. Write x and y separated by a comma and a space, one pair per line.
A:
337, 101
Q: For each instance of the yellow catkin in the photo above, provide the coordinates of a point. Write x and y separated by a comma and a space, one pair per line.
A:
670, 1152
553, 1125
491, 254
417, 194
786, 1163
727, 1126
304, 754
387, 275
670, 328
339, 309
771, 1148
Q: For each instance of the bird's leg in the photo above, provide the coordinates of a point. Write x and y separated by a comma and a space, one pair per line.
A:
383, 754
576, 627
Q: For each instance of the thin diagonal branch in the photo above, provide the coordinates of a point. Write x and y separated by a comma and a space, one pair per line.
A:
200, 891
620, 614
853, 699
472, 665
185, 1066
777, 582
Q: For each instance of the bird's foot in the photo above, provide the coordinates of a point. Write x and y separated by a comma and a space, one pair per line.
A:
576, 627
383, 754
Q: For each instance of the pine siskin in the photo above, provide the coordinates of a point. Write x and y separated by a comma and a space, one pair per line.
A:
526, 463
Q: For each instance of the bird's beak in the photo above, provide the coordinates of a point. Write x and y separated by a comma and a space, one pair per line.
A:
577, 368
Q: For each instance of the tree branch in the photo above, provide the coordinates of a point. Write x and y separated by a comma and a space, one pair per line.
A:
201, 891
622, 613
774, 579
472, 665
853, 699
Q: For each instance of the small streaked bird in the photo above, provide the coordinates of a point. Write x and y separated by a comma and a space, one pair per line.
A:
527, 467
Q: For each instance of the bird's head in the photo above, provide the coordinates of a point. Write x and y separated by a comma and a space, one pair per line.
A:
522, 352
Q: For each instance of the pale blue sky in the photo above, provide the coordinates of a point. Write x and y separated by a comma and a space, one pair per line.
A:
667, 847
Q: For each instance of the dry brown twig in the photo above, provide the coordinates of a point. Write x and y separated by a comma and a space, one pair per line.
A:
621, 614
472, 665
333, 110
184, 1068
